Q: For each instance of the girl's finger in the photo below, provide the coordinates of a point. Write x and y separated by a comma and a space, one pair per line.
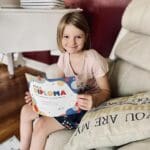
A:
30, 103
83, 102
27, 101
82, 96
27, 93
83, 108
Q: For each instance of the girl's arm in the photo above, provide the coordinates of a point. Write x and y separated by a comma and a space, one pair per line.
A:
89, 101
104, 93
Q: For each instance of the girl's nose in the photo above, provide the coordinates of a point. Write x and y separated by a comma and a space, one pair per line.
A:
72, 41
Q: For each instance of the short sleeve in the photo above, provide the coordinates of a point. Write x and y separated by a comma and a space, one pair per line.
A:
100, 65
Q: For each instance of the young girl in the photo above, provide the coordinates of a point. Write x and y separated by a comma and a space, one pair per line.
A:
90, 70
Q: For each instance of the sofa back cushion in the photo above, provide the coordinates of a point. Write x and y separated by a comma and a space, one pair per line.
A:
128, 79
134, 48
136, 17
131, 73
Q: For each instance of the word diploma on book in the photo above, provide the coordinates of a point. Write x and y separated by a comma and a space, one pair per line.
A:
54, 97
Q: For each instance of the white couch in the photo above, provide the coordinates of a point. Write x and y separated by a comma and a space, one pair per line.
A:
130, 67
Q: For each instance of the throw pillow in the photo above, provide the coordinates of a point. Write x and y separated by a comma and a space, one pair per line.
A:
116, 122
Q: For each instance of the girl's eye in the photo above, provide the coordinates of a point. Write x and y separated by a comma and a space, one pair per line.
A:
65, 36
78, 37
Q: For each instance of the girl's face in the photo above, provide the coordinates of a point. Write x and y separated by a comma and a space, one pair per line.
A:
73, 39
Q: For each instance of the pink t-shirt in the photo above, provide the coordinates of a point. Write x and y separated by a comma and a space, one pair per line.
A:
94, 66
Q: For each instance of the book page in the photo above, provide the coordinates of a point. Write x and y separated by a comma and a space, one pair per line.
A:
54, 97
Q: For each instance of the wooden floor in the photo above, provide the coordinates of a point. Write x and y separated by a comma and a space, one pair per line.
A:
11, 99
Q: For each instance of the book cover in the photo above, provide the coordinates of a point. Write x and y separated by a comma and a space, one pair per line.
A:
53, 97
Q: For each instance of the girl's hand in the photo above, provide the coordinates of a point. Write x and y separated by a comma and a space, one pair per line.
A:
28, 98
85, 101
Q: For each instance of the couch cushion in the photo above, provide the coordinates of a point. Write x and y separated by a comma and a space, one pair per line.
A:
58, 139
138, 145
115, 122
134, 48
136, 16
104, 148
127, 79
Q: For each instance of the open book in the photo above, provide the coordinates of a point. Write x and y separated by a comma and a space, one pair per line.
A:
53, 97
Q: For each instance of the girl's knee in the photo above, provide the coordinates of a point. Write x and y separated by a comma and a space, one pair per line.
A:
27, 112
40, 127
25, 109
39, 124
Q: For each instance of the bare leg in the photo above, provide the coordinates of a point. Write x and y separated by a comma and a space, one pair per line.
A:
26, 126
43, 127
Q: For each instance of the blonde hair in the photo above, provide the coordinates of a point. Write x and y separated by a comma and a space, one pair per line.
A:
78, 20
